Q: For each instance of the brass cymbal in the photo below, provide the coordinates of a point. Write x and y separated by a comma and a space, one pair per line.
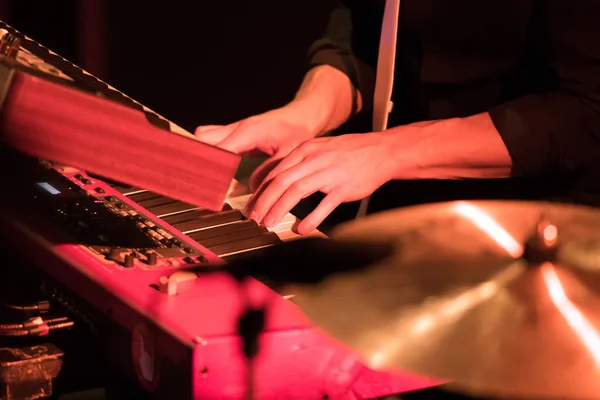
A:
456, 300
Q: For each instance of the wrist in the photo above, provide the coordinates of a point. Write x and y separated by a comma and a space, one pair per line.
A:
327, 98
391, 149
426, 150
312, 114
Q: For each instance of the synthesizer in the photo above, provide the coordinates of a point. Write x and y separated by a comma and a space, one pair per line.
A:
49, 116
117, 256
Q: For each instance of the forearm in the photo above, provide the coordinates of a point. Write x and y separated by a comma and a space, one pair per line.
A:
552, 133
325, 99
456, 148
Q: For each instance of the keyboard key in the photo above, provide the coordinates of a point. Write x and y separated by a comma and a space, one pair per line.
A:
268, 239
171, 208
219, 231
144, 196
187, 216
210, 220
155, 202
235, 237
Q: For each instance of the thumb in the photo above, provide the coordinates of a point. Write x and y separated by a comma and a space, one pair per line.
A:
240, 141
213, 134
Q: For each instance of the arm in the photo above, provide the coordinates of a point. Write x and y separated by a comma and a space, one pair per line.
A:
554, 132
325, 99
330, 93
550, 132
456, 148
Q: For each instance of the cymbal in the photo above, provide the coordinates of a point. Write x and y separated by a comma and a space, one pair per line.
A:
455, 299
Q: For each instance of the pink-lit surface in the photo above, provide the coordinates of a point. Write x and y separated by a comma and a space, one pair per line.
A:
110, 139
296, 360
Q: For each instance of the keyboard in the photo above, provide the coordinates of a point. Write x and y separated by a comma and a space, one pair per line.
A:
60, 113
118, 257
227, 233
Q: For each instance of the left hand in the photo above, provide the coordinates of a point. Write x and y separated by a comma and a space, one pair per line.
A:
345, 168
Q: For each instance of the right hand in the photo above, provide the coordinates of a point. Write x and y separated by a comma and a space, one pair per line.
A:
275, 134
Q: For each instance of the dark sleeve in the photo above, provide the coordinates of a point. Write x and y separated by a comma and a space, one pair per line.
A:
335, 48
556, 132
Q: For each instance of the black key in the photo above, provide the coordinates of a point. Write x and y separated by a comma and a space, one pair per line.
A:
171, 208
155, 202
157, 121
120, 98
218, 231
235, 237
210, 220
127, 190
161, 205
90, 81
187, 216
139, 197
118, 186
268, 239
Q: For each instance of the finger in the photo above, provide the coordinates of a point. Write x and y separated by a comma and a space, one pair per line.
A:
216, 135
273, 189
290, 161
261, 172
276, 168
297, 191
315, 218
285, 163
241, 140
249, 208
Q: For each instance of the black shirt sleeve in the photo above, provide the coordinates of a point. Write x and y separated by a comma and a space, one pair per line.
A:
551, 125
335, 49
555, 131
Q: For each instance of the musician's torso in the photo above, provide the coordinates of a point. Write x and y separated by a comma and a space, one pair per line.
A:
454, 57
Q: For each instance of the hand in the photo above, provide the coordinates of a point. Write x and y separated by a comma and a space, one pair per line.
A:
345, 168
275, 133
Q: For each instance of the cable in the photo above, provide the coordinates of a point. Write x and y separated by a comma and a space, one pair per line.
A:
14, 333
32, 322
41, 306
36, 327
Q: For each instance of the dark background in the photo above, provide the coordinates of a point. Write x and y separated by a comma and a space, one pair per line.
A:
194, 62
